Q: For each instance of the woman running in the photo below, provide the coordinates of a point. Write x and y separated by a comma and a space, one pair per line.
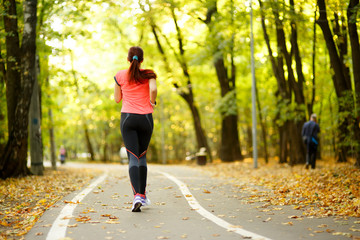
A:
137, 88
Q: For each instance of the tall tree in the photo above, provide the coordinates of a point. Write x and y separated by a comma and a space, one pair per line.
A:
283, 93
288, 88
352, 13
186, 91
13, 159
341, 77
230, 149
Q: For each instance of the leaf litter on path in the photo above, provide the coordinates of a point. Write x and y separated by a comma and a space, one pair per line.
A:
24, 200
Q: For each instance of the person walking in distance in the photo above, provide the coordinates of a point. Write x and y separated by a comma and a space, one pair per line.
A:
62, 154
137, 88
309, 133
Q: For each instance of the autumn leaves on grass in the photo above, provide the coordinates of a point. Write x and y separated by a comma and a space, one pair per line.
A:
330, 190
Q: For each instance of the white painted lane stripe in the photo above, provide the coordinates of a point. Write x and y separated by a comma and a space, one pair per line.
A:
58, 228
202, 211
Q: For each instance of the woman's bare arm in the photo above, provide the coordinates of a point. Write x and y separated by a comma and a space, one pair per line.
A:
153, 90
117, 93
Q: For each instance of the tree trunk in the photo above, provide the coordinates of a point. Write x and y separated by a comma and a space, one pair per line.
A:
343, 130
37, 166
299, 89
88, 143
106, 146
263, 126
105, 155
355, 54
2, 101
355, 46
342, 47
35, 119
200, 133
13, 160
230, 144
332, 120
52, 141
51, 132
297, 148
311, 104
2, 119
40, 104
13, 60
320, 145
283, 150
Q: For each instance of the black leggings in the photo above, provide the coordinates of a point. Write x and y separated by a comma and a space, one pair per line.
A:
136, 130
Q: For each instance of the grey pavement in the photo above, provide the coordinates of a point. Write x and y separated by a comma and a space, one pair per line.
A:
106, 211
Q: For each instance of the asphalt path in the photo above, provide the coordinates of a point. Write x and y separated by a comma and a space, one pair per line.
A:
186, 203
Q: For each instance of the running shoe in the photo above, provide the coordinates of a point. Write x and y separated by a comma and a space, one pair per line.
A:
137, 203
145, 201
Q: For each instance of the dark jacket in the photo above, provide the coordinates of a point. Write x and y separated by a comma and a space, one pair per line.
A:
310, 131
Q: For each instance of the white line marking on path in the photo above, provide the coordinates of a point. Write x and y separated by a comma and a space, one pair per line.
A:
58, 228
202, 211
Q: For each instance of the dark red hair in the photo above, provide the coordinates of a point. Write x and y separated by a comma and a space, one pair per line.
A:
135, 57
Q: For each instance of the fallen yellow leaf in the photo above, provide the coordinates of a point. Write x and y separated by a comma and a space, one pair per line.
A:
71, 226
268, 219
322, 226
162, 237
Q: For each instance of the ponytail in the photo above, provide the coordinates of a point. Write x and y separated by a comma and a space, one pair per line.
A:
135, 57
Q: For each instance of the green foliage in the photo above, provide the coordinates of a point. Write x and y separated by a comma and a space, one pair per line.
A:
287, 110
82, 44
227, 105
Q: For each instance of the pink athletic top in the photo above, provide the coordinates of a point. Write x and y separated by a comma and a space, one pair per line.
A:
136, 97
